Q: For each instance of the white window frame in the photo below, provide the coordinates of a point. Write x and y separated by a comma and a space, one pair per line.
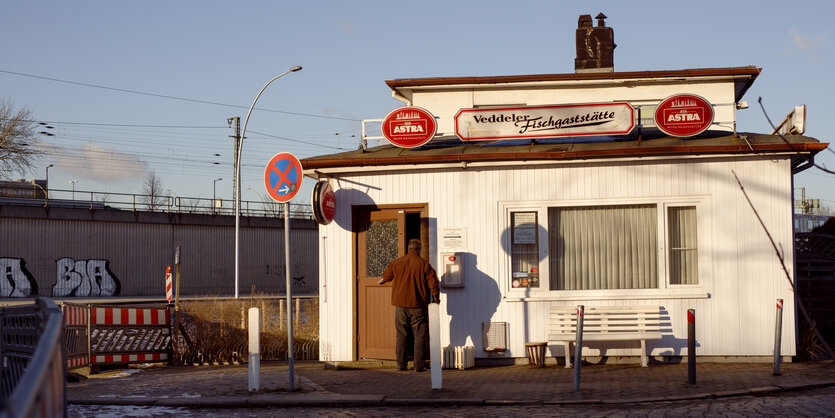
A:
665, 290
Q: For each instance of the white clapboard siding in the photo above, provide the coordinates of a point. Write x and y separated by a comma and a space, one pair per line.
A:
737, 319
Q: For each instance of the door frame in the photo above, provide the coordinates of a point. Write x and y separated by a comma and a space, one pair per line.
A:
423, 210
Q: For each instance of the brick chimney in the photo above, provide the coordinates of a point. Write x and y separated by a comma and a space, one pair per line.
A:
595, 46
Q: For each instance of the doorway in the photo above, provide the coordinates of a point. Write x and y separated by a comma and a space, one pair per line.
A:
382, 234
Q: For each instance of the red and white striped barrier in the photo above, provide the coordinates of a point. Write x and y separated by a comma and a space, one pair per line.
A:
75, 315
128, 316
75, 318
131, 358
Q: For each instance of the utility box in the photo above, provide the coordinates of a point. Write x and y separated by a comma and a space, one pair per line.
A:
453, 270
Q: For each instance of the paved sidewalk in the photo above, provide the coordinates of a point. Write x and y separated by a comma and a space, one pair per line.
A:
227, 386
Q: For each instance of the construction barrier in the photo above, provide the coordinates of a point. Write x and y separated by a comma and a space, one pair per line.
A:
116, 335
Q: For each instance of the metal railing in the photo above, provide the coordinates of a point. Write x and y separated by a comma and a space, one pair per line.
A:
32, 365
156, 203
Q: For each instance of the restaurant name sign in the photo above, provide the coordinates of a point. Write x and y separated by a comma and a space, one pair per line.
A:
617, 118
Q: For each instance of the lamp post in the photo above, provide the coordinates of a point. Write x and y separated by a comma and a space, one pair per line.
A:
73, 187
214, 193
238, 184
47, 175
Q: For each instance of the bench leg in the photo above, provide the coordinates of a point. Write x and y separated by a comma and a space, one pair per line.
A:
567, 354
643, 353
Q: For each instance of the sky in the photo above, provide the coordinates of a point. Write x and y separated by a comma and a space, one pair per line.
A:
133, 88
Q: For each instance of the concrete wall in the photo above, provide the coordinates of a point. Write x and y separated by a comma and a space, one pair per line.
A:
71, 252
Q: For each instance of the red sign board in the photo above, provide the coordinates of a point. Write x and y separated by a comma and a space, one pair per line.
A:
324, 202
684, 115
409, 127
283, 177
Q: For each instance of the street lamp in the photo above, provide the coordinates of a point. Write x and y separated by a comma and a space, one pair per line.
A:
214, 193
73, 187
238, 184
47, 174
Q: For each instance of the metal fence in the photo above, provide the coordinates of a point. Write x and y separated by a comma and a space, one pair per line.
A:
32, 365
168, 203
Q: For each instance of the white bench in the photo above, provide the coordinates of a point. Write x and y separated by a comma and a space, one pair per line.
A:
605, 323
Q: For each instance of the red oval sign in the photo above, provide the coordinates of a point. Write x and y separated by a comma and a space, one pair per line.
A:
409, 127
324, 202
683, 115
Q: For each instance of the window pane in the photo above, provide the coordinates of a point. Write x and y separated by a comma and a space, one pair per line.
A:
524, 249
605, 247
684, 260
381, 246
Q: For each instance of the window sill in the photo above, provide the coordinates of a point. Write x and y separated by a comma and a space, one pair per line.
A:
588, 295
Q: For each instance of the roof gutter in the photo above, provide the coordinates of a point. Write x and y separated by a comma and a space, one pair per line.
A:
316, 163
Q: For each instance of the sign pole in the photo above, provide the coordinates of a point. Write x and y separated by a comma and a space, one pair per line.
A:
290, 356
282, 179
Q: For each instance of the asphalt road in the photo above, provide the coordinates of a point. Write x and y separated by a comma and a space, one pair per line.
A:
804, 403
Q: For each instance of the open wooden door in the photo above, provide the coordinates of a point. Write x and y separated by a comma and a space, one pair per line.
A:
382, 235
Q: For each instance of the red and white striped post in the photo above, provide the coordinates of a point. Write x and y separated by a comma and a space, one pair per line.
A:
169, 289
778, 331
691, 346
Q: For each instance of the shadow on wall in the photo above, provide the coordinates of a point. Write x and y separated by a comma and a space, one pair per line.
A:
347, 198
471, 305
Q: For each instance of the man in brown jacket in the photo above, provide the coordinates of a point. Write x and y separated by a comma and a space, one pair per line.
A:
413, 281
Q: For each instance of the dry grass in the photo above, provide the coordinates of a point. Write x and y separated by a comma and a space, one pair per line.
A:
216, 329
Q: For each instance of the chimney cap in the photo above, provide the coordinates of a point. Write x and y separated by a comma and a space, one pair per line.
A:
600, 17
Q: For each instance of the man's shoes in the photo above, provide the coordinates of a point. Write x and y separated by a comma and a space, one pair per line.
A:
420, 370
402, 368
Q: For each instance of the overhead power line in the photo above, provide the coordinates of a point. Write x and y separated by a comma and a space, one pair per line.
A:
165, 96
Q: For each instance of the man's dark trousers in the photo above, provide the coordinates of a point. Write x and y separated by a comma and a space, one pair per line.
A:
416, 321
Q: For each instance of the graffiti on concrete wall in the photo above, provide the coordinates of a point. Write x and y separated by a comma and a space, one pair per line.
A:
278, 270
16, 282
86, 278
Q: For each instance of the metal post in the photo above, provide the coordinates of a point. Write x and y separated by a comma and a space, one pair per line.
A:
289, 294
578, 347
778, 331
691, 346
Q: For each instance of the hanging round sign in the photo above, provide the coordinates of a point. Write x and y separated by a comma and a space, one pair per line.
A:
683, 115
409, 127
324, 202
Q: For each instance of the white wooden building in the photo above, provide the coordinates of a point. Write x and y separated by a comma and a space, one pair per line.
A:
542, 221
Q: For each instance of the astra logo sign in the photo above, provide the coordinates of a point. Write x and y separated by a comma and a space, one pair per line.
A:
544, 121
409, 127
683, 115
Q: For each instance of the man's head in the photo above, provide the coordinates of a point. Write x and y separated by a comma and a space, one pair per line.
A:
414, 244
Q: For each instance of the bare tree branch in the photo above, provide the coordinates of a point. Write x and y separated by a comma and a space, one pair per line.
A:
152, 190
17, 140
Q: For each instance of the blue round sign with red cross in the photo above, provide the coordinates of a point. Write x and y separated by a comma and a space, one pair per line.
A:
283, 177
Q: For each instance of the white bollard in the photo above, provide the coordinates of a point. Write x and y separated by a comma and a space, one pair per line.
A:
254, 350
435, 345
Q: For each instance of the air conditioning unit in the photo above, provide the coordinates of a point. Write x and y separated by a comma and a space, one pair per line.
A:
458, 357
